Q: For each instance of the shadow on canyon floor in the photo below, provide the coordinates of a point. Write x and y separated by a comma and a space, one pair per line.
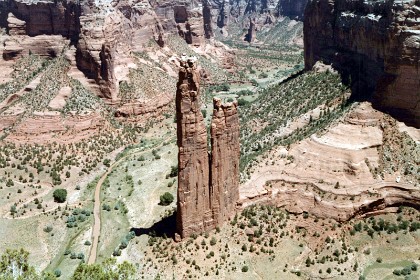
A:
165, 227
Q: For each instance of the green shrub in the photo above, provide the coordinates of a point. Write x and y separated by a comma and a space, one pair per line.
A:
166, 199
245, 268
213, 241
48, 229
242, 102
60, 195
263, 76
174, 171
204, 112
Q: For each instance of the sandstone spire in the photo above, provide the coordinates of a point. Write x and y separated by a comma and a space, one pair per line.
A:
206, 195
225, 159
193, 211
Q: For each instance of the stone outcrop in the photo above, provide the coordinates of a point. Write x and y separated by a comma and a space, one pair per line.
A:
207, 189
106, 33
41, 18
220, 15
42, 28
338, 174
194, 212
41, 127
252, 31
375, 45
225, 159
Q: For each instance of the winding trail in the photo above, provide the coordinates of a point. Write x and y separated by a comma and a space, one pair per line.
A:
97, 199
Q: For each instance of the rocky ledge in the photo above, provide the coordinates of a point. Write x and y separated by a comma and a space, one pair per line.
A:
375, 45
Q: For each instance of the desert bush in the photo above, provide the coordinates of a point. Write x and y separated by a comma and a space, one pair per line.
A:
60, 195
166, 199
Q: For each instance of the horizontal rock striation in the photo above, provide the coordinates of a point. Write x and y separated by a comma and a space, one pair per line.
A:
44, 126
41, 18
105, 34
375, 45
297, 199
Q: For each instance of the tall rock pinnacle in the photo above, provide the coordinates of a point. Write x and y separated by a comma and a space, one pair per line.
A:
225, 159
194, 213
207, 193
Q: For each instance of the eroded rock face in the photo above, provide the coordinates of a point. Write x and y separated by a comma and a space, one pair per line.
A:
42, 28
194, 212
224, 13
225, 159
182, 17
43, 17
207, 190
375, 45
106, 33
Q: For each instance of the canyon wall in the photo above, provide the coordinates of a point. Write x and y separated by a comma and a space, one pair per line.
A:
376, 47
208, 187
106, 33
42, 28
223, 13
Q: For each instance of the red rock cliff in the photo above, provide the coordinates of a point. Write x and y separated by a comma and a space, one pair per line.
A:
375, 45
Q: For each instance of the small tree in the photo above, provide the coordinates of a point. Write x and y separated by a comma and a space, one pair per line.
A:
328, 270
213, 241
166, 199
60, 195
174, 171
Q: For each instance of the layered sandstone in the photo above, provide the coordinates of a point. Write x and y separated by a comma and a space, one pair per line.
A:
337, 174
42, 28
375, 45
44, 126
194, 212
207, 193
225, 159
106, 33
